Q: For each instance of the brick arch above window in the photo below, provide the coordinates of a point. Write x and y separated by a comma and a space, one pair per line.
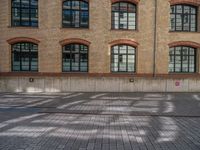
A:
130, 1
23, 39
184, 43
190, 2
74, 40
124, 41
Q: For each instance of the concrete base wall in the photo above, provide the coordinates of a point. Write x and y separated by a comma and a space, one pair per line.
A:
97, 84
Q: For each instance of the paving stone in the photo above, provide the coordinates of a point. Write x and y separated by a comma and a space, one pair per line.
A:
115, 121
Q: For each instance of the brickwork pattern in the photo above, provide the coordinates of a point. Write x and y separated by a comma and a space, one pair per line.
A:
50, 33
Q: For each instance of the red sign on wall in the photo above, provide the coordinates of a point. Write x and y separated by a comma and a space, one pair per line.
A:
177, 83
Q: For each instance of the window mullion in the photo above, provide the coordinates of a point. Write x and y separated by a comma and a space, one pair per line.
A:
181, 59
29, 13
119, 16
118, 59
174, 59
182, 18
71, 49
127, 21
20, 13
20, 56
80, 13
71, 13
195, 60
126, 58
188, 59
29, 57
79, 57
175, 19
190, 17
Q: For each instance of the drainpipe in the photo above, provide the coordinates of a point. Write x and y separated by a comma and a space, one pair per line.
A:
155, 40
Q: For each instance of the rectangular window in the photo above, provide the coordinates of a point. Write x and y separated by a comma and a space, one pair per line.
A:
25, 13
183, 18
75, 14
123, 16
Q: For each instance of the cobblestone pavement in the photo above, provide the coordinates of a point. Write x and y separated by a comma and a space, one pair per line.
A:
100, 121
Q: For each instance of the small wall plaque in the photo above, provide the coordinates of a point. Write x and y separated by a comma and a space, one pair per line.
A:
31, 80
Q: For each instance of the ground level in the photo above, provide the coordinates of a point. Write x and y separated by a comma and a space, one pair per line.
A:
100, 121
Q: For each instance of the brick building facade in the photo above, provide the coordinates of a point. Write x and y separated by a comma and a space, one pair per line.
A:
151, 30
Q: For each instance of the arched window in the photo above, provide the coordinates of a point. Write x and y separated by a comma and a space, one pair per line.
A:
24, 56
75, 58
183, 18
124, 16
25, 13
123, 58
182, 59
76, 14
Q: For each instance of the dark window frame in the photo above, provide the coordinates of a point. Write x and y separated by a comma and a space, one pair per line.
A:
80, 12
112, 19
181, 61
21, 54
182, 18
20, 8
135, 60
79, 53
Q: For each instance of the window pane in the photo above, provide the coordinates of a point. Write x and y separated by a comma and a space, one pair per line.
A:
122, 63
16, 3
25, 3
84, 19
34, 3
178, 50
67, 5
75, 18
132, 20
123, 7
75, 5
75, 62
122, 49
131, 50
25, 61
115, 20
123, 20
172, 9
84, 6
115, 7
172, 22
193, 10
66, 18
179, 9
131, 8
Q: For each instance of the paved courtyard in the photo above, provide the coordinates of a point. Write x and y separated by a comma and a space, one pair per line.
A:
100, 121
